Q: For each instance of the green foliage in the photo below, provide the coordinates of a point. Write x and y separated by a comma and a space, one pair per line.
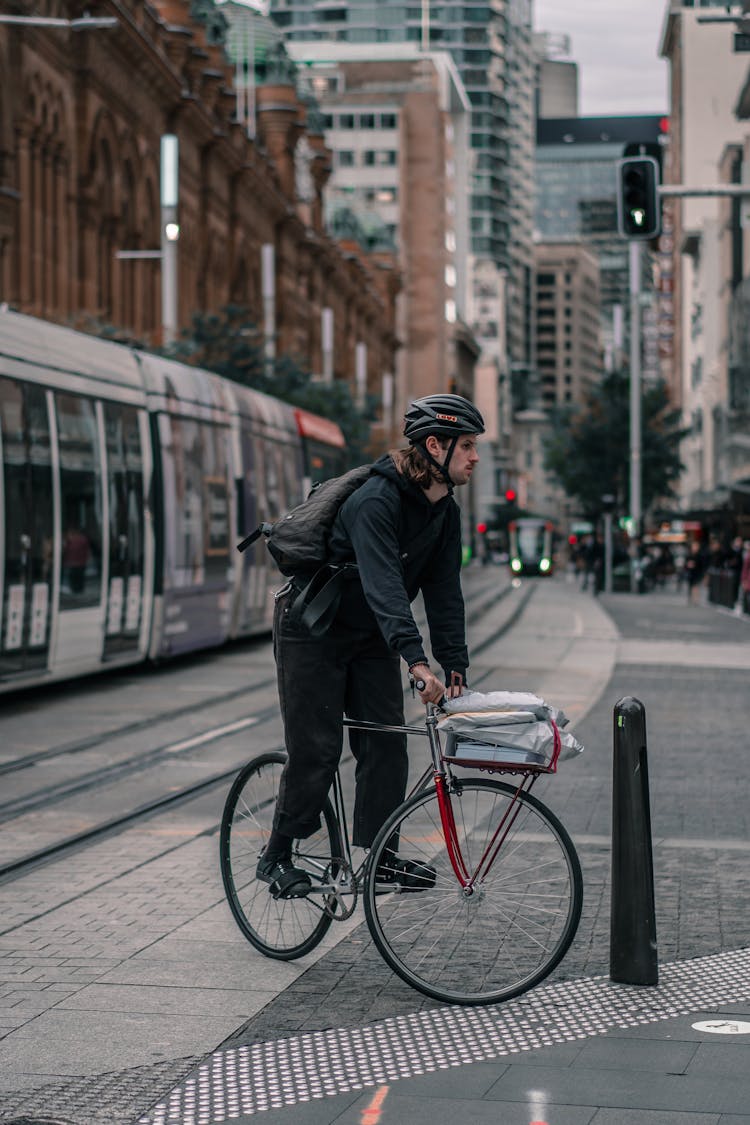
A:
589, 449
231, 344
103, 330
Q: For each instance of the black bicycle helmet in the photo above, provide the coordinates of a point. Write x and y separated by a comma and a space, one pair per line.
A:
442, 415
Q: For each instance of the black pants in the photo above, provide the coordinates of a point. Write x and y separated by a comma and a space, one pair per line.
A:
349, 670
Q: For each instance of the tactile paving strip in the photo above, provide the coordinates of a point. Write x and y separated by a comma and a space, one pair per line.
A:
286, 1072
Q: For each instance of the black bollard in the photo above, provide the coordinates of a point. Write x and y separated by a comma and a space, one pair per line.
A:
632, 953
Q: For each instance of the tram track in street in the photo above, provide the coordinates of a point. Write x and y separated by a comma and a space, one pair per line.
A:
18, 867
11, 810
92, 741
54, 794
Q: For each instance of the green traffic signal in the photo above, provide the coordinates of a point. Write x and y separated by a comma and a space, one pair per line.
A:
638, 206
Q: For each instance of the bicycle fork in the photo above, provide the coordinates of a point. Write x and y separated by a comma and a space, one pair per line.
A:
467, 879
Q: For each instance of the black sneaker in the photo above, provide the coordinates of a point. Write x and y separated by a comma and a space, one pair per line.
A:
408, 874
283, 878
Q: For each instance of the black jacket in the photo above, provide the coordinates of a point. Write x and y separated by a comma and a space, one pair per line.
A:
402, 543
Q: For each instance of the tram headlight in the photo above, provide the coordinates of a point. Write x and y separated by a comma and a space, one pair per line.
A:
544, 565
515, 565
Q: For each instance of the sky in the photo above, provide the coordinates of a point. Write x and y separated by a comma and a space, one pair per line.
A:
616, 44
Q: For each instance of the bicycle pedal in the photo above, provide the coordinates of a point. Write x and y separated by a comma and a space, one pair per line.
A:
299, 892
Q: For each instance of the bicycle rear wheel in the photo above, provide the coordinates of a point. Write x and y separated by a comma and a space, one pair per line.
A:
516, 926
280, 928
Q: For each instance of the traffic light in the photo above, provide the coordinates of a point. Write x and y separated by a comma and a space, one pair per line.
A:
638, 207
510, 495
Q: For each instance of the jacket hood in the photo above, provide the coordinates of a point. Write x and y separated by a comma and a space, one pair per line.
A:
386, 467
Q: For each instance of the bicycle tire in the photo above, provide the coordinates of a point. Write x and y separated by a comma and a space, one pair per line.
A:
512, 932
280, 928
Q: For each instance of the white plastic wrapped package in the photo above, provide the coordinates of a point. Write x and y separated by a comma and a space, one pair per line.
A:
511, 702
504, 727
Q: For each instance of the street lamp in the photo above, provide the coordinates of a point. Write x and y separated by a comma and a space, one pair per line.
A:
170, 234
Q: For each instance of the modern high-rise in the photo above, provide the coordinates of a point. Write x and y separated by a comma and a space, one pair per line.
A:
557, 76
475, 35
491, 45
568, 322
396, 122
576, 198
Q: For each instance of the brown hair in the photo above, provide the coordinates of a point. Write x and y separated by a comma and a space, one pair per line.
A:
412, 464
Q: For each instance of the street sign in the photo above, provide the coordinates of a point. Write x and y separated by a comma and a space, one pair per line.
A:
741, 41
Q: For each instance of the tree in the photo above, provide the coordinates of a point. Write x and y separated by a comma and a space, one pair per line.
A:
589, 448
231, 344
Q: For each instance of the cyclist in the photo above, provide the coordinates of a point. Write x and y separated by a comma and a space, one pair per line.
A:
402, 529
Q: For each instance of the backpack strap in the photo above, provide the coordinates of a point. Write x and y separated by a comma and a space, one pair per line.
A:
314, 607
261, 529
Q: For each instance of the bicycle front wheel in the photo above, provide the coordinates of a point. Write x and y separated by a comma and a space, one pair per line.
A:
514, 928
284, 928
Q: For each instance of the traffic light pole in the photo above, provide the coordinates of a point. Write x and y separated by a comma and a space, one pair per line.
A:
635, 407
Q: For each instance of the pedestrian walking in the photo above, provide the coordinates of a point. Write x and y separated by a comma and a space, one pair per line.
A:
695, 571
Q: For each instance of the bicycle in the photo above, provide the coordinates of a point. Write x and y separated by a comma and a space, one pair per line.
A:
503, 886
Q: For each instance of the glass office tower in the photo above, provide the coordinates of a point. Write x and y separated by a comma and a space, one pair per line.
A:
475, 35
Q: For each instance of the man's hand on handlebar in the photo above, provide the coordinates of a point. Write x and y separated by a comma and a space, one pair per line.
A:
430, 688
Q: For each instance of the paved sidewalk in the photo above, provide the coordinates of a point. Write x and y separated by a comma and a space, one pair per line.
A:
156, 974
580, 1049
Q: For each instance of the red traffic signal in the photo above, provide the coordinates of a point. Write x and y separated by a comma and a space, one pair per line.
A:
481, 528
510, 495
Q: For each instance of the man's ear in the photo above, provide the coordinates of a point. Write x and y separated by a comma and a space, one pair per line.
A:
433, 446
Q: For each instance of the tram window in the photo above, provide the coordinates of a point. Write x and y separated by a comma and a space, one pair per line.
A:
126, 534
274, 481
216, 500
183, 501
531, 541
81, 501
28, 517
290, 462
323, 461
40, 463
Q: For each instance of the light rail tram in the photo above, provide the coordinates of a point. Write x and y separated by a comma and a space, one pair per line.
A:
127, 479
531, 546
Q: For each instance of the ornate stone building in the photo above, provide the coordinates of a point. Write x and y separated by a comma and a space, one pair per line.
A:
81, 117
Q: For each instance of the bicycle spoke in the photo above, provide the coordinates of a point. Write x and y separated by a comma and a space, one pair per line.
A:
504, 933
279, 927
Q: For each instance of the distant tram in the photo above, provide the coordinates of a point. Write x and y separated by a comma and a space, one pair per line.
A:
531, 546
127, 479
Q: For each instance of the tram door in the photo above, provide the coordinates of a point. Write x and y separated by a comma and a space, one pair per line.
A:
126, 528
28, 528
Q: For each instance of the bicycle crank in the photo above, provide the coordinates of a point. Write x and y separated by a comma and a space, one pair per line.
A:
340, 890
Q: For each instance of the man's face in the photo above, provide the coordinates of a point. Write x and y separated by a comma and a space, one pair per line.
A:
463, 460
465, 457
